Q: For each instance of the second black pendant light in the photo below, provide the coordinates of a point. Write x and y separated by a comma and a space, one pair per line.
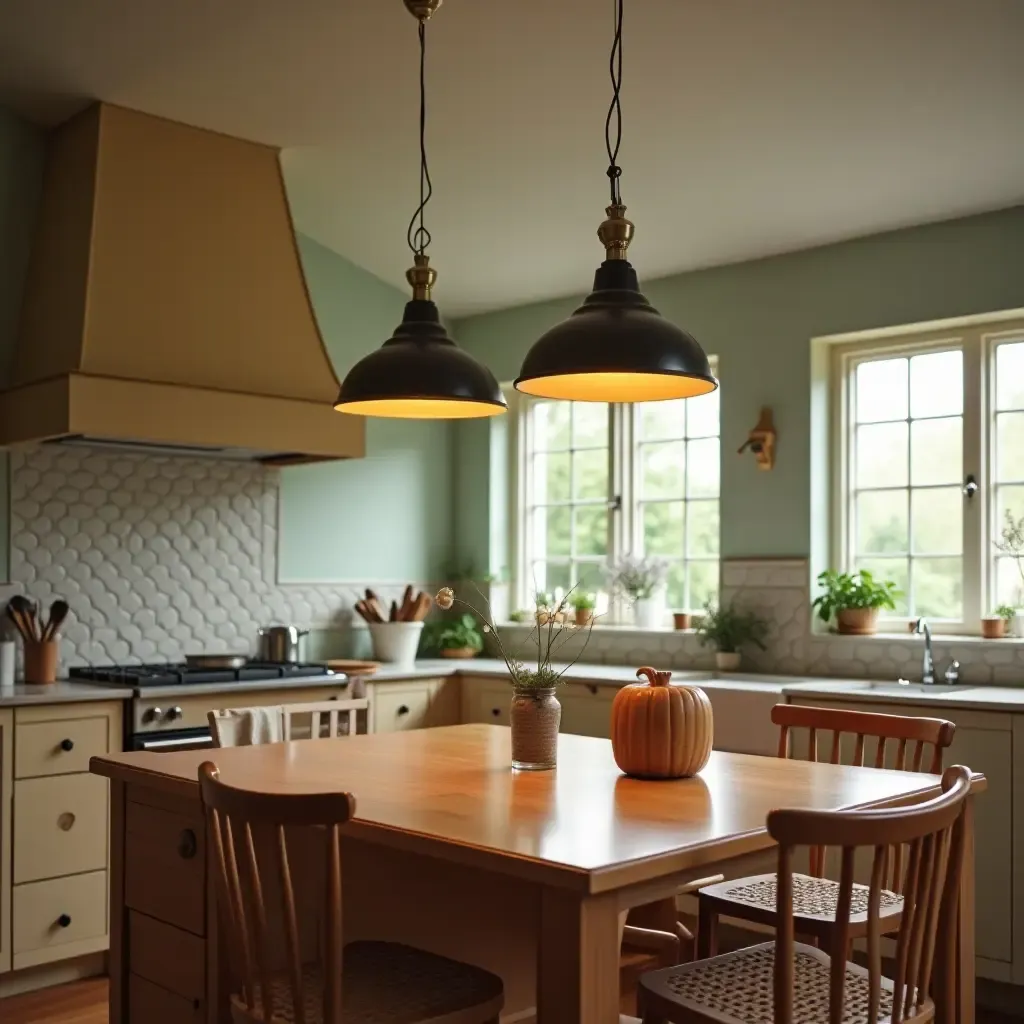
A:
616, 347
419, 372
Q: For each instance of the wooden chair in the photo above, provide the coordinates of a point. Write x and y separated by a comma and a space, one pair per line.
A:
327, 719
816, 898
253, 851
793, 983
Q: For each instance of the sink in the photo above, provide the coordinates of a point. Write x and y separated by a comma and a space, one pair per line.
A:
935, 689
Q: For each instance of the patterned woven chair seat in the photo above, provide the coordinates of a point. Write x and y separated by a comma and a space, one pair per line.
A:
388, 983
736, 988
813, 898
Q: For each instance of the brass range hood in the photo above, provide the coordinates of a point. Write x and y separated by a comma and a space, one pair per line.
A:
165, 305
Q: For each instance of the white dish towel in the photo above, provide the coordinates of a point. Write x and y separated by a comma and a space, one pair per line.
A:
246, 727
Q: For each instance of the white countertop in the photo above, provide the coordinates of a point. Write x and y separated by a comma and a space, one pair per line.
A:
59, 693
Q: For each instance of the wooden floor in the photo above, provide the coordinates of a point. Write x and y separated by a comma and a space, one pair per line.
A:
85, 1002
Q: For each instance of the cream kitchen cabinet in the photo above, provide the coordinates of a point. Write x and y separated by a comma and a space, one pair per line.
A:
53, 831
413, 704
485, 699
984, 742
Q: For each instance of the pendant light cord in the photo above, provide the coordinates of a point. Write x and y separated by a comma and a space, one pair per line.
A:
615, 110
418, 236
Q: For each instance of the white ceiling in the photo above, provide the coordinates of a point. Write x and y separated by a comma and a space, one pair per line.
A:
752, 126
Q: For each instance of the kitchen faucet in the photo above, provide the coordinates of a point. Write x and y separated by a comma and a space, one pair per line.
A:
952, 674
928, 664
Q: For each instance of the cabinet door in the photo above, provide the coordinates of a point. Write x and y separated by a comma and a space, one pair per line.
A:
484, 700
587, 709
6, 783
397, 707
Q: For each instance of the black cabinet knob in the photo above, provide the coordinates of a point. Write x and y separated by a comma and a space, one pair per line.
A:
187, 845
496, 712
67, 745
64, 920
404, 709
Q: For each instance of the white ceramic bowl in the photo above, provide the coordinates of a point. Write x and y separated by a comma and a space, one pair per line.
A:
396, 642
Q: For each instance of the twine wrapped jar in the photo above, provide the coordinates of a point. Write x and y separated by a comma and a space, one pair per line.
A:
535, 717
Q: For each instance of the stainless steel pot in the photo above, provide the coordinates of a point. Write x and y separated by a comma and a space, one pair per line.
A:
281, 644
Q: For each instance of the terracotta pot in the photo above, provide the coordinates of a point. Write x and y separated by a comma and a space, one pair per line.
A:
681, 620
41, 661
857, 621
993, 628
728, 661
459, 652
583, 616
534, 717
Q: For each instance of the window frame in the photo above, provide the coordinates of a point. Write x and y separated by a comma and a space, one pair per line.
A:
624, 520
977, 338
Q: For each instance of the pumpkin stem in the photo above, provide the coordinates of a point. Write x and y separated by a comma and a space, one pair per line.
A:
653, 676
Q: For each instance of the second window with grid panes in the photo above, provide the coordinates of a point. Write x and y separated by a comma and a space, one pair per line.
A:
930, 469
599, 481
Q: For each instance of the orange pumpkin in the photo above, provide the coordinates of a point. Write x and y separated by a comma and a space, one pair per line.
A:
661, 731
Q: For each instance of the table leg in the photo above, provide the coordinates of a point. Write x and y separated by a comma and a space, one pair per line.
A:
578, 958
965, 925
117, 957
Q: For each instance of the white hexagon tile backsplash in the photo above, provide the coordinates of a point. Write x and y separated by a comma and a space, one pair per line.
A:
158, 556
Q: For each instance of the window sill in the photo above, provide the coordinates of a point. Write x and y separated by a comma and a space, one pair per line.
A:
612, 628
918, 639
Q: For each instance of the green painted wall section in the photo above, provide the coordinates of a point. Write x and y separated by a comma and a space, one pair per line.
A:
758, 318
22, 156
387, 517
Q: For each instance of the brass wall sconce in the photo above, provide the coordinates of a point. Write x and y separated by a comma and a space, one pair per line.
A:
761, 441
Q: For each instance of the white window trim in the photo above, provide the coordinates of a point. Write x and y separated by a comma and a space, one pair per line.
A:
978, 338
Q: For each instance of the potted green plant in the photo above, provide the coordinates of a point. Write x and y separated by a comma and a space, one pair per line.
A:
583, 604
641, 581
456, 638
853, 600
994, 627
729, 628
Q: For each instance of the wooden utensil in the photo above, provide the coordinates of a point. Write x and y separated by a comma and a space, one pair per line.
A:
406, 608
422, 607
58, 613
368, 613
25, 611
393, 614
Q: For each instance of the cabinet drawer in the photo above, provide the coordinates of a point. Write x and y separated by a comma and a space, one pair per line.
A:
59, 911
587, 709
165, 866
167, 956
483, 703
155, 1005
397, 710
61, 826
59, 748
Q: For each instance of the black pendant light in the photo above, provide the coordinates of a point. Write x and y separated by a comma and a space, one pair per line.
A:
616, 347
419, 373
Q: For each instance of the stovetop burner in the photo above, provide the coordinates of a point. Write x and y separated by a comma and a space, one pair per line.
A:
171, 674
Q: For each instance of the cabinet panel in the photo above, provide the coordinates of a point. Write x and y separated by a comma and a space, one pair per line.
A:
587, 709
397, 708
60, 826
742, 720
59, 748
485, 701
59, 911
6, 782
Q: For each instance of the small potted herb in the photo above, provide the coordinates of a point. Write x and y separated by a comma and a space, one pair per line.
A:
728, 629
583, 604
457, 638
641, 581
995, 627
853, 600
1011, 543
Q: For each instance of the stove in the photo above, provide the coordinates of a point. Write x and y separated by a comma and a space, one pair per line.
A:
174, 675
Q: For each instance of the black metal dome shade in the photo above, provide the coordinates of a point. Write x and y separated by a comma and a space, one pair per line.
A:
420, 373
616, 347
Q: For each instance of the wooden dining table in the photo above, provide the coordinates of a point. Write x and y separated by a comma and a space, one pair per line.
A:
523, 873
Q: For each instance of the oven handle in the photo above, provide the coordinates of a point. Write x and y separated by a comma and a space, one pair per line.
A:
193, 742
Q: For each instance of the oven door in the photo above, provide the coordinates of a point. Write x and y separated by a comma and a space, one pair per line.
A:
166, 742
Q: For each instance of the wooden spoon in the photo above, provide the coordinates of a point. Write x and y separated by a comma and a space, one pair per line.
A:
58, 613
26, 612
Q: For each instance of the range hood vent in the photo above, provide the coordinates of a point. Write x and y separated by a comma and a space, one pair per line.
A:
165, 305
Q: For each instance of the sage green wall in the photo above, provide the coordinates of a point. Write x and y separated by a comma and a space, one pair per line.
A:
22, 155
386, 517
758, 318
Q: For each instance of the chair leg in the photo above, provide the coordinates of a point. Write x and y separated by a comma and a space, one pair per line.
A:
707, 930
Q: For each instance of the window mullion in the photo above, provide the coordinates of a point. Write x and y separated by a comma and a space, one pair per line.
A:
978, 588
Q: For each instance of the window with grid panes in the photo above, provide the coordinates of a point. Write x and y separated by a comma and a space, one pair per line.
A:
598, 481
567, 496
676, 493
931, 457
